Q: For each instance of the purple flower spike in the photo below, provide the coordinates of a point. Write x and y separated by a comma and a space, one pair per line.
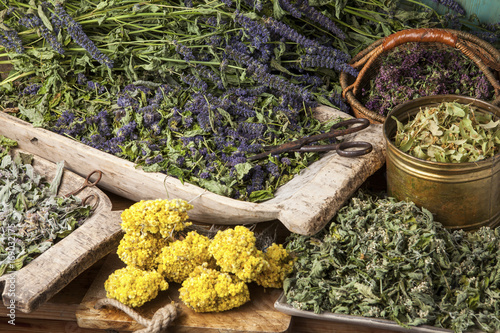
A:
11, 41
76, 32
314, 15
451, 4
31, 21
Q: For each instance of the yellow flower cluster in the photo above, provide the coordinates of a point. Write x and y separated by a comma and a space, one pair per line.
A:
209, 290
156, 216
140, 251
280, 265
177, 260
235, 252
133, 286
214, 273
149, 226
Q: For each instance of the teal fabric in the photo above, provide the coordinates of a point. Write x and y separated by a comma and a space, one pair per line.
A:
488, 11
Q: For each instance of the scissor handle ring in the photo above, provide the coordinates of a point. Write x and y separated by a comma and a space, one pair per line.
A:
87, 180
366, 147
363, 123
86, 201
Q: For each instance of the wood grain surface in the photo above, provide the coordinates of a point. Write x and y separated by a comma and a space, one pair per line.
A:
304, 204
58, 314
258, 315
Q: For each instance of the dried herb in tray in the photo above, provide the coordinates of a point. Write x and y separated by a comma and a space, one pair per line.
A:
32, 216
388, 259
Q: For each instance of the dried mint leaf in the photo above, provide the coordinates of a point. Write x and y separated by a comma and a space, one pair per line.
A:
387, 259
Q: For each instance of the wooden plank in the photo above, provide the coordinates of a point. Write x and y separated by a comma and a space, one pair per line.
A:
304, 205
258, 315
42, 278
63, 305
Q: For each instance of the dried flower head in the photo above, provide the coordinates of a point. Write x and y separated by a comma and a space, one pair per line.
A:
133, 286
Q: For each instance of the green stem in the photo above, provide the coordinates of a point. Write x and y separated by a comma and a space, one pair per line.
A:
16, 76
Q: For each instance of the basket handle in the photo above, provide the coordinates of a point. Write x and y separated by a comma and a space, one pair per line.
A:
422, 35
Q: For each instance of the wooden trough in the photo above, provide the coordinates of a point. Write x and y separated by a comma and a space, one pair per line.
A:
304, 205
47, 274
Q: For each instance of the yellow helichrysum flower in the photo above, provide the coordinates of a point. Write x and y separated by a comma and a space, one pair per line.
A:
156, 216
178, 259
133, 286
208, 290
280, 265
235, 252
141, 251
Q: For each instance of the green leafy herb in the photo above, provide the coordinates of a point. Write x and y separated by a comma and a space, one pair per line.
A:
5, 145
388, 259
450, 132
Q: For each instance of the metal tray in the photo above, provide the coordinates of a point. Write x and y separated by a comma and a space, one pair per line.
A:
282, 306
47, 274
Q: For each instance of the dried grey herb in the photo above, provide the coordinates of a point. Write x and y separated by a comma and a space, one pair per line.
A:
32, 216
389, 259
451, 133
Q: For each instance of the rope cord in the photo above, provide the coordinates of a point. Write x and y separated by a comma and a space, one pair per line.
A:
159, 323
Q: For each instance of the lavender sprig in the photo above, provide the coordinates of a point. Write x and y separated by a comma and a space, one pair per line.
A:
194, 82
34, 22
451, 4
211, 75
258, 33
31, 89
78, 35
327, 62
316, 16
289, 7
11, 41
184, 51
284, 30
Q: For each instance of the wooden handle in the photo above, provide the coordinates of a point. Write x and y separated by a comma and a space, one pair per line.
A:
419, 35
44, 277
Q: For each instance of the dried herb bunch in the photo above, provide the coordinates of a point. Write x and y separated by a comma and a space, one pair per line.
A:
450, 132
191, 88
387, 259
416, 71
32, 216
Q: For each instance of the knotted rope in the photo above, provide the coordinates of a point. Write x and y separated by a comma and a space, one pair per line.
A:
159, 323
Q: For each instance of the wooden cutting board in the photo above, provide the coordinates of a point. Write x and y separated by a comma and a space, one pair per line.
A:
42, 278
258, 315
304, 205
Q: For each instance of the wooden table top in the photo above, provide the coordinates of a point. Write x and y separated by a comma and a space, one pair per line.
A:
58, 314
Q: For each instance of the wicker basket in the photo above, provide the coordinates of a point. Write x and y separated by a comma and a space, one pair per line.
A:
368, 61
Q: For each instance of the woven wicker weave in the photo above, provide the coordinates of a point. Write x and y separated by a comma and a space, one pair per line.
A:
368, 61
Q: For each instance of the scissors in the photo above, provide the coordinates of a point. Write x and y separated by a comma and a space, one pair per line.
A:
301, 145
87, 182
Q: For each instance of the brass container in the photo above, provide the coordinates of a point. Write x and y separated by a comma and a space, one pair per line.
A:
460, 195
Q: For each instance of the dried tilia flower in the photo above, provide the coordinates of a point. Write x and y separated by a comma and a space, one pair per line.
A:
450, 133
